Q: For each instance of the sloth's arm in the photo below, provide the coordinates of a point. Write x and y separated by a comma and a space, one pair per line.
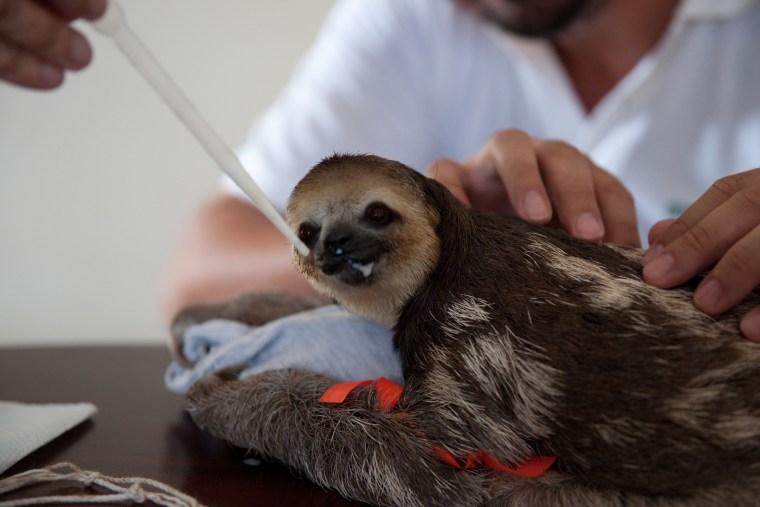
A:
353, 447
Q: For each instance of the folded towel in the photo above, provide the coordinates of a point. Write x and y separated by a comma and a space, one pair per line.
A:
25, 427
327, 340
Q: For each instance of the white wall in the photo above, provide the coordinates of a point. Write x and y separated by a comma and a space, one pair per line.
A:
97, 178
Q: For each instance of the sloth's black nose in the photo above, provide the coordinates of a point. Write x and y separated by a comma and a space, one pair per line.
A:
349, 255
338, 242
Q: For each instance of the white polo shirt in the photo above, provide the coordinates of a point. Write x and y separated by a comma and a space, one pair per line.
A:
415, 80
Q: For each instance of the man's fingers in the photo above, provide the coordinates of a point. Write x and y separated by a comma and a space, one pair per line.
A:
550, 181
510, 156
699, 247
657, 230
750, 325
451, 175
73, 9
618, 209
730, 236
26, 70
568, 178
717, 194
31, 27
733, 278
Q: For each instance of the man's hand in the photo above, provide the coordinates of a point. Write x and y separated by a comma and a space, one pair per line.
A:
543, 182
719, 232
37, 45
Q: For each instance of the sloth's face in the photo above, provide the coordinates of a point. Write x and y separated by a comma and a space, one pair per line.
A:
371, 237
351, 244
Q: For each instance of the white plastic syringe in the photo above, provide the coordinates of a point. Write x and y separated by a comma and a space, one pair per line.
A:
113, 24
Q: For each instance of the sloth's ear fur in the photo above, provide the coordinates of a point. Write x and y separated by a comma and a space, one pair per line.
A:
455, 220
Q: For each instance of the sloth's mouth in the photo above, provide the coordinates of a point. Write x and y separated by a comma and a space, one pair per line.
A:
348, 270
350, 257
366, 269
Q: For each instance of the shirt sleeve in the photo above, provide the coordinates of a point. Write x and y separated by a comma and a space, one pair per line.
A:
360, 89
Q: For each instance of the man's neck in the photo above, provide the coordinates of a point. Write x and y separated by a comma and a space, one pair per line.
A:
602, 49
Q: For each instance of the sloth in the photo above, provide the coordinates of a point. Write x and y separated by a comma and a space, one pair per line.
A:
515, 340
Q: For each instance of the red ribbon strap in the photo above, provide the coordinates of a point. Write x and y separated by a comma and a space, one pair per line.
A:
388, 393
339, 392
534, 467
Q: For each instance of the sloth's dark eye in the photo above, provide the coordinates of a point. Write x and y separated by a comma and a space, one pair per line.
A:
378, 213
308, 233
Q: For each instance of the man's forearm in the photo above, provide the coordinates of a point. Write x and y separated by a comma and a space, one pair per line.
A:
227, 248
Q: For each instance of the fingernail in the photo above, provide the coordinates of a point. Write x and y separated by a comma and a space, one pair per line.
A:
652, 252
79, 51
750, 326
535, 207
588, 227
659, 267
708, 294
50, 75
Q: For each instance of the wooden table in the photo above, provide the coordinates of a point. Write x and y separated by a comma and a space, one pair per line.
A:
140, 429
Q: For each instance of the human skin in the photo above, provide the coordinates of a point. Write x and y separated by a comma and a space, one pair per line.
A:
543, 182
719, 232
37, 43
540, 181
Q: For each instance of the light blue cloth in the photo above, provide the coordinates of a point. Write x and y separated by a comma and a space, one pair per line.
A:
327, 340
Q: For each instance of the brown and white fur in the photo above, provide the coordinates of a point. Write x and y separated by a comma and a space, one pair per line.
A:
515, 340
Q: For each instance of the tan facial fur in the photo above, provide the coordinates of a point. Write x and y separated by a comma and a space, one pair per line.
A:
339, 197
